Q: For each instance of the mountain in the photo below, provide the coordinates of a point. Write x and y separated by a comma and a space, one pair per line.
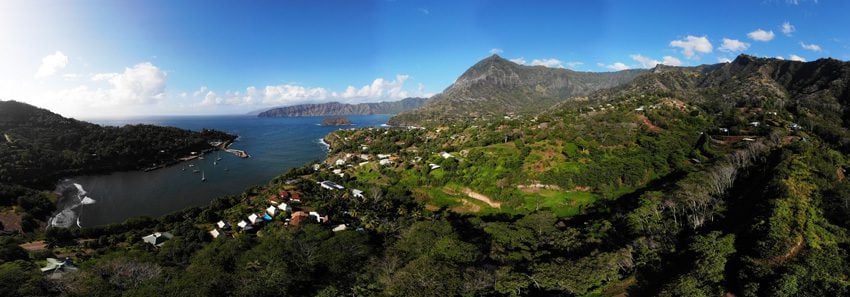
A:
336, 108
496, 86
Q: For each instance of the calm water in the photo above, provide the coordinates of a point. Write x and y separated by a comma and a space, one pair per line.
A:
275, 145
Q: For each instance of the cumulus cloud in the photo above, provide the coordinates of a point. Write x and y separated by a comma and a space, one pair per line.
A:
573, 64
812, 47
551, 63
51, 64
646, 62
616, 66
793, 57
788, 29
761, 35
287, 94
723, 60
692, 45
495, 51
733, 45
141, 84
519, 60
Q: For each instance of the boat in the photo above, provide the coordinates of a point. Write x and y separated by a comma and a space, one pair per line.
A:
183, 169
203, 178
195, 171
191, 165
214, 163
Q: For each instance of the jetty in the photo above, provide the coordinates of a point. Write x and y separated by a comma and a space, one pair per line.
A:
238, 153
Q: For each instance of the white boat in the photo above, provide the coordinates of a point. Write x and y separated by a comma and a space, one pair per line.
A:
191, 165
203, 178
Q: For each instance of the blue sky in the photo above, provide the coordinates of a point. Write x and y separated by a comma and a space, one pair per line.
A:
123, 58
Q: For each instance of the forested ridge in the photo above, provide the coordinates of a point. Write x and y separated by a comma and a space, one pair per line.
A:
686, 181
40, 147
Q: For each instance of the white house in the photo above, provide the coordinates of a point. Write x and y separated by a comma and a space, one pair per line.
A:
385, 162
383, 156
433, 166
253, 218
157, 239
222, 225
244, 225
283, 207
331, 185
339, 227
271, 210
357, 193
446, 155
215, 233
340, 162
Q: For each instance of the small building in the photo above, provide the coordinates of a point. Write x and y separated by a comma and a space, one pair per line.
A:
283, 207
340, 162
244, 225
340, 227
385, 162
253, 218
222, 225
357, 193
215, 233
298, 217
331, 185
794, 126
724, 130
641, 108
384, 156
271, 210
434, 166
295, 197
446, 155
157, 239
364, 157
755, 124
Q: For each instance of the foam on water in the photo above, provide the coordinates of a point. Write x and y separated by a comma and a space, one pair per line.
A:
73, 198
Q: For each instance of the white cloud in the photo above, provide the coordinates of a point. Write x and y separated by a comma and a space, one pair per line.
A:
780, 57
288, 94
51, 64
551, 63
723, 60
647, 62
496, 51
793, 57
761, 35
425, 11
812, 47
788, 29
142, 84
733, 45
519, 60
103, 76
692, 45
573, 64
616, 66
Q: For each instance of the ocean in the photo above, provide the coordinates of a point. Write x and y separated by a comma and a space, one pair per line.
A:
275, 145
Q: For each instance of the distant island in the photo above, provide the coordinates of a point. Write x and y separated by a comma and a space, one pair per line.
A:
337, 121
337, 108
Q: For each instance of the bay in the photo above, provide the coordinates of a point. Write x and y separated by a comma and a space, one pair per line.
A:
275, 145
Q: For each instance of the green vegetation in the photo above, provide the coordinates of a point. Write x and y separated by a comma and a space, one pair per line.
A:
661, 187
41, 147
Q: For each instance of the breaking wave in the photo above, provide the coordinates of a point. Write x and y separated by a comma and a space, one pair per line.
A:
73, 197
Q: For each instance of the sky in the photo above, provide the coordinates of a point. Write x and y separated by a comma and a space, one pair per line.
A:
98, 58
